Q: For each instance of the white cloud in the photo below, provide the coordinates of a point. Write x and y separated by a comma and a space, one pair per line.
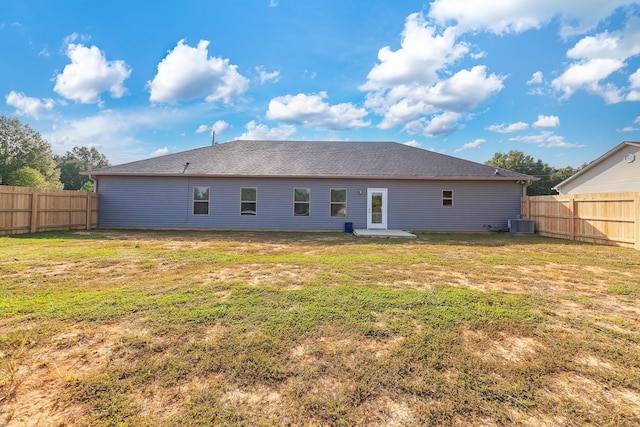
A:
28, 106
536, 78
634, 86
188, 73
461, 93
587, 75
421, 55
516, 16
312, 111
89, 74
273, 3
631, 128
114, 131
403, 112
547, 122
616, 45
439, 125
464, 91
160, 152
406, 86
597, 58
413, 143
473, 144
220, 126
266, 76
557, 141
634, 80
546, 139
513, 127
258, 132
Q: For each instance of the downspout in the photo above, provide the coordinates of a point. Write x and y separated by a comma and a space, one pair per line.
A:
524, 187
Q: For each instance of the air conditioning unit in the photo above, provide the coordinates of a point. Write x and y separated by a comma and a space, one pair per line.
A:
521, 226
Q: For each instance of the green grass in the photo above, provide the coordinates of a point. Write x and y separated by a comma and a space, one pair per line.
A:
218, 328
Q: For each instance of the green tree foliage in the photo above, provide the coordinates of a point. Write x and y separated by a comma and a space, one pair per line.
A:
517, 161
80, 159
561, 174
20, 147
87, 186
29, 177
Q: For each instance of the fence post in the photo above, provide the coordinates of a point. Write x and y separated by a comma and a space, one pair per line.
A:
572, 218
636, 202
34, 210
525, 207
89, 205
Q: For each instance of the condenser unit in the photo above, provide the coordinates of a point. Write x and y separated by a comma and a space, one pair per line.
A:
521, 226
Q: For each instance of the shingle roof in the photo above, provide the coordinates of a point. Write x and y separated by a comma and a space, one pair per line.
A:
318, 159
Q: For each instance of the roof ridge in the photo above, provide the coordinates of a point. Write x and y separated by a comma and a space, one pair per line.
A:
304, 158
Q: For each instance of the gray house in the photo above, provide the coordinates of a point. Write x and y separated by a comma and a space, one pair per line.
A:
618, 170
308, 185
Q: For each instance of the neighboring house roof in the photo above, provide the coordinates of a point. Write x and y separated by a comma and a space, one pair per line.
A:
596, 162
315, 159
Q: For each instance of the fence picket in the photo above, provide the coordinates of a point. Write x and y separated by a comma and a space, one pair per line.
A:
29, 210
603, 218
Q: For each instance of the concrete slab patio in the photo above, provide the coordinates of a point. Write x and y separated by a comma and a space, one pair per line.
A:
383, 233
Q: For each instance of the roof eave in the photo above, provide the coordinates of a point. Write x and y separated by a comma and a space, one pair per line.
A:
372, 177
595, 162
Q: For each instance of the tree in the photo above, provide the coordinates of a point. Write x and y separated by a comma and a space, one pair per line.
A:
561, 174
88, 186
21, 146
28, 177
79, 159
517, 161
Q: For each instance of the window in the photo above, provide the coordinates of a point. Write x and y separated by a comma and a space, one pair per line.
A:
201, 200
447, 198
248, 201
338, 202
301, 199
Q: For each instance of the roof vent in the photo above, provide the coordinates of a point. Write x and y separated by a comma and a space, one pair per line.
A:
497, 172
186, 165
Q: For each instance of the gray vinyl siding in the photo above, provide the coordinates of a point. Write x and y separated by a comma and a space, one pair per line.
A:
143, 202
166, 202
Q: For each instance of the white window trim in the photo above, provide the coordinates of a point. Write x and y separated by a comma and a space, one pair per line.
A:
295, 201
194, 201
447, 198
249, 201
331, 203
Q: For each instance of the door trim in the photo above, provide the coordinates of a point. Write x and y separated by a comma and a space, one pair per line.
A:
383, 224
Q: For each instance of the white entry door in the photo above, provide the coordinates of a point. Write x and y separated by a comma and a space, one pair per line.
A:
377, 208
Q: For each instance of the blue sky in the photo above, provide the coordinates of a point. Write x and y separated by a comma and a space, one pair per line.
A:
559, 80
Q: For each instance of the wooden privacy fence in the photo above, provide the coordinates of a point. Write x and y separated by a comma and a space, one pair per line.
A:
604, 218
28, 210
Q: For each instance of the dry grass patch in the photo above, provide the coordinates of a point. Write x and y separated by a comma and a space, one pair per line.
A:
144, 328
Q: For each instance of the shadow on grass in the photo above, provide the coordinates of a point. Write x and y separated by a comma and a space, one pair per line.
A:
331, 238
489, 239
60, 235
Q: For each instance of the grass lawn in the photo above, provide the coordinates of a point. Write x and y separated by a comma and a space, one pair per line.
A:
135, 328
